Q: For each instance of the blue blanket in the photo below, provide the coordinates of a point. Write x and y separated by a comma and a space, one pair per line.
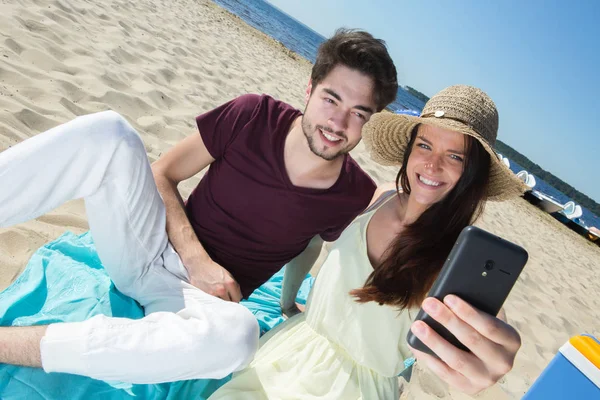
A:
65, 282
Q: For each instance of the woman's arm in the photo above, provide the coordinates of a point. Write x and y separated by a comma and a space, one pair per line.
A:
493, 345
295, 272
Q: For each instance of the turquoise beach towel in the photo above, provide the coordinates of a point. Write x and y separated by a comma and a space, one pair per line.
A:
65, 282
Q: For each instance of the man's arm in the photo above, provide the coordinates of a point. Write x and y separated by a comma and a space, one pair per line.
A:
183, 161
294, 275
21, 345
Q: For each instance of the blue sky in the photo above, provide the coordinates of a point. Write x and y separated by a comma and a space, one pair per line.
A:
538, 60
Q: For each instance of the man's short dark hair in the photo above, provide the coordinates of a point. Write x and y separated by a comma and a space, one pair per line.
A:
360, 51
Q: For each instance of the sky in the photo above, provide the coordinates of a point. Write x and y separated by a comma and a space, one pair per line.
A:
538, 60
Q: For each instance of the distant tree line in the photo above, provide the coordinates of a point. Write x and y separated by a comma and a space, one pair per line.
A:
552, 180
417, 94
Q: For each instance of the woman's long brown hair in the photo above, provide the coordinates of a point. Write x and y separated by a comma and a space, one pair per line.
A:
415, 257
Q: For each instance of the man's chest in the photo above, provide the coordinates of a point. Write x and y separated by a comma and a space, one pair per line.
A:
262, 202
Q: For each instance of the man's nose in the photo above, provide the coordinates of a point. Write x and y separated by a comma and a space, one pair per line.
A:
338, 121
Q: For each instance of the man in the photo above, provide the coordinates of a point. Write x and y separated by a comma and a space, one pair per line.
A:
280, 181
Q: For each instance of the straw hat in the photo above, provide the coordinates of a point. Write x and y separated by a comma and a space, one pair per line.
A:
459, 108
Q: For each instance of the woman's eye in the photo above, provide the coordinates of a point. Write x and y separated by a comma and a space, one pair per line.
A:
424, 146
457, 158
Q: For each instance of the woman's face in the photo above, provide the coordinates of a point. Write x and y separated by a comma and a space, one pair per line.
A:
435, 163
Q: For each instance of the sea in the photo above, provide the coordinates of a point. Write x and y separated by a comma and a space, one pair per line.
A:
302, 40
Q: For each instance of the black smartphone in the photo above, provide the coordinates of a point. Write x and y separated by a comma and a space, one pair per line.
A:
481, 269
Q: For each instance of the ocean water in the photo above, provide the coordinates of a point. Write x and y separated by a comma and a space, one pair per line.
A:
296, 36
304, 41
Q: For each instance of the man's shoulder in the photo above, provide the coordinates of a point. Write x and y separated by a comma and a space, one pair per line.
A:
254, 99
278, 106
249, 101
267, 109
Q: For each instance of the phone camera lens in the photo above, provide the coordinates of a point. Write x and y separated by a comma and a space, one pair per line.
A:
489, 265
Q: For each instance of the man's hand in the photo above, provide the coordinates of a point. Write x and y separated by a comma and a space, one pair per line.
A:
493, 344
213, 279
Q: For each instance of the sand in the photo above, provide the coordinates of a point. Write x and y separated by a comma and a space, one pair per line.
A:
160, 64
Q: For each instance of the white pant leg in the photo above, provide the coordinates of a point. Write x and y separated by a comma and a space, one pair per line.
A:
102, 159
205, 338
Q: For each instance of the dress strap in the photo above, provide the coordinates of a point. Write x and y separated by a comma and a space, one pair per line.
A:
385, 196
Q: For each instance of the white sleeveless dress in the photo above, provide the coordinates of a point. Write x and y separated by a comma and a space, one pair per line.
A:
338, 348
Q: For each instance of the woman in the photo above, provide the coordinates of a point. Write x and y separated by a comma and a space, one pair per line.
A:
351, 342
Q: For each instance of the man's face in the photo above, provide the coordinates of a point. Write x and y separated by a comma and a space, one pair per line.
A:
336, 110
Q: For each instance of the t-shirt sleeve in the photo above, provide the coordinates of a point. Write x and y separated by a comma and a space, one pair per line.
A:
366, 189
220, 126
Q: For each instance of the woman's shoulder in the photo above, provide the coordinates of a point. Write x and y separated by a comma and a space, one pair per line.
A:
383, 191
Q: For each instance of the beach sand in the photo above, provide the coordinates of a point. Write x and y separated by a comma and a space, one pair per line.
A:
160, 64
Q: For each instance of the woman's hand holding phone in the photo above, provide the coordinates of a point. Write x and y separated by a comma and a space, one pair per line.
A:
493, 345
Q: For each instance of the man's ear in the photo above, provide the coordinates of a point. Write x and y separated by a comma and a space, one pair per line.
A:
308, 91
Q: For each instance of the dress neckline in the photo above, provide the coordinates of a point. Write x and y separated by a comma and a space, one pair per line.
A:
383, 199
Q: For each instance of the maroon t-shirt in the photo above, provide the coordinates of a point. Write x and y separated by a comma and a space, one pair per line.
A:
247, 214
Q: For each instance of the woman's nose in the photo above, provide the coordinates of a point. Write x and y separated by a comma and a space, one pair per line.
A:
433, 163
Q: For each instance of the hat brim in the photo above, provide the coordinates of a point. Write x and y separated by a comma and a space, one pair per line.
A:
386, 137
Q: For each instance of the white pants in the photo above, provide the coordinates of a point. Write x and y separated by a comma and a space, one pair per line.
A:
186, 333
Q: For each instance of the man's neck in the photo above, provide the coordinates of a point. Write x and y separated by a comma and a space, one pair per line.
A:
304, 168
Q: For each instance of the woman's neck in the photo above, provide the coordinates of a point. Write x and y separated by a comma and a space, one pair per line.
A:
409, 210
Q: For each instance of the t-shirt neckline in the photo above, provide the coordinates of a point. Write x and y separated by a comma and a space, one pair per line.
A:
288, 182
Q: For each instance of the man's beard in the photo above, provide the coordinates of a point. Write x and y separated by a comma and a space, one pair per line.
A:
310, 132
